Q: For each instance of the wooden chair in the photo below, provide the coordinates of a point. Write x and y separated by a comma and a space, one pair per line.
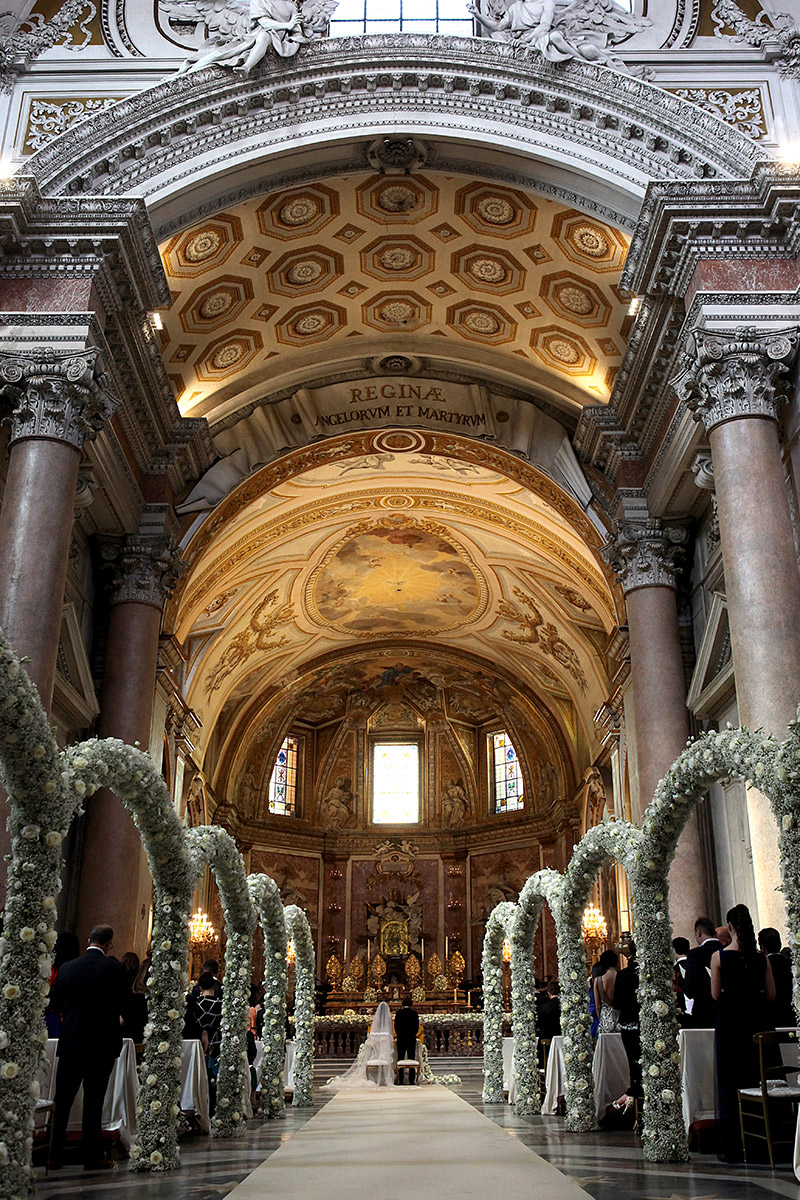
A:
404, 1064
774, 1090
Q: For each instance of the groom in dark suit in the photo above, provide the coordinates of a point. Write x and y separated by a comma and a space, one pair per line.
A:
406, 1028
89, 993
697, 983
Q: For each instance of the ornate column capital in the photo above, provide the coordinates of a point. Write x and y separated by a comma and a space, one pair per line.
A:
146, 570
58, 395
743, 373
644, 554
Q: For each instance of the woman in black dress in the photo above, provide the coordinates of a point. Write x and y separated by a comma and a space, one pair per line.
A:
742, 985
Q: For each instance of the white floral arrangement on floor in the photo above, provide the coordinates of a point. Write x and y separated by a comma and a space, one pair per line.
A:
299, 931
265, 896
427, 1075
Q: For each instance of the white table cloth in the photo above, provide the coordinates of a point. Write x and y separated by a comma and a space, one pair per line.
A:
194, 1083
696, 1048
609, 1070
509, 1082
119, 1107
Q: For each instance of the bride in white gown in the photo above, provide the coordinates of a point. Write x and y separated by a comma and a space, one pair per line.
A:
374, 1066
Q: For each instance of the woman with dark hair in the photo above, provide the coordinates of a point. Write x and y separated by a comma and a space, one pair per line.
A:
134, 1016
743, 986
66, 948
608, 1016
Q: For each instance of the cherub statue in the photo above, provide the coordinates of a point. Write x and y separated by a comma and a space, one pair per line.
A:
240, 33
561, 29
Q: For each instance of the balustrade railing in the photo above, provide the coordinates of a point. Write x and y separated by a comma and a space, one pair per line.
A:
334, 1038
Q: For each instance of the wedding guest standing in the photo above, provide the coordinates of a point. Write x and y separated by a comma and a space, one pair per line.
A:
783, 1014
607, 1014
90, 993
743, 987
67, 947
697, 983
626, 1001
134, 1017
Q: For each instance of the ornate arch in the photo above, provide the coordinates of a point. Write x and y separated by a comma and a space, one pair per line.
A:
202, 125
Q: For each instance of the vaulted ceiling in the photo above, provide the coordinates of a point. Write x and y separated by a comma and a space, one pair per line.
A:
511, 284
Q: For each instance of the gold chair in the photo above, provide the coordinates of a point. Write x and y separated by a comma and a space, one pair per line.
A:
774, 1089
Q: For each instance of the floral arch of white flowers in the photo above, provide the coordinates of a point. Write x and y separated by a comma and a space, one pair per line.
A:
46, 788
646, 854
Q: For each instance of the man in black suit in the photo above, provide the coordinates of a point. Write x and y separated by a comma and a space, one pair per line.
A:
697, 982
406, 1028
769, 943
89, 993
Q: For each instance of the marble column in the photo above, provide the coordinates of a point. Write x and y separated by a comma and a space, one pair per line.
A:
59, 404
735, 382
114, 888
644, 555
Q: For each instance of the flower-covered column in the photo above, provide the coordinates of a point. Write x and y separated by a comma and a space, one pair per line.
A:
299, 931
59, 404
644, 555
498, 927
266, 897
146, 570
735, 383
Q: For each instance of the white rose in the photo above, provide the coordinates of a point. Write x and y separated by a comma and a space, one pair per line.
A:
163, 1047
660, 1008
9, 1070
27, 934
31, 832
155, 1106
654, 1070
151, 1079
11, 991
667, 1095
52, 839
787, 822
174, 1110
156, 1157
48, 903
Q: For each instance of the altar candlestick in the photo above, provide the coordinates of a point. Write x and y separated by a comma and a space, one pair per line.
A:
368, 951
345, 954
423, 950
446, 948
455, 995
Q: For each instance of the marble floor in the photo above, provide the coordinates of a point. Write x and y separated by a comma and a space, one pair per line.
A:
606, 1165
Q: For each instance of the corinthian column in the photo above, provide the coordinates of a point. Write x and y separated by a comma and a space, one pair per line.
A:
735, 383
59, 405
114, 884
644, 555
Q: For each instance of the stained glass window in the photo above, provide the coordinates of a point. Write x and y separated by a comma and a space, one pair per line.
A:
395, 783
401, 16
507, 775
283, 782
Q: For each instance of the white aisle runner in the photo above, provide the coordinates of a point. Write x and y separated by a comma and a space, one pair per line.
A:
404, 1143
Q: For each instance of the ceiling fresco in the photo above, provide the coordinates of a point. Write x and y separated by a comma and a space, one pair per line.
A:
472, 272
484, 589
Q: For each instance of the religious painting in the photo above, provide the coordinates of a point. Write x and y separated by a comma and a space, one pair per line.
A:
397, 576
394, 938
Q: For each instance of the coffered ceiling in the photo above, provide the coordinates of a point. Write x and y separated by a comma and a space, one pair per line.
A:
508, 283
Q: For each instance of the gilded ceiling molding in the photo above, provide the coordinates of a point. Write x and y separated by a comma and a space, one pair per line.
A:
741, 373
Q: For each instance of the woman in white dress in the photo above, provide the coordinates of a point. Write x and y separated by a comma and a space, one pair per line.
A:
374, 1066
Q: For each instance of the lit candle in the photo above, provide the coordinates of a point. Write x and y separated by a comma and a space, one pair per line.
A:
345, 952
455, 995
446, 948
368, 951
423, 950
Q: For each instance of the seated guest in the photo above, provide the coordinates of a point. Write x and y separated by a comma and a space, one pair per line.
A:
743, 987
90, 993
134, 1017
549, 1014
769, 943
697, 983
67, 947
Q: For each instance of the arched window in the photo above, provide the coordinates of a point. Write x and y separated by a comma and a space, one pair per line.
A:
504, 774
401, 16
284, 779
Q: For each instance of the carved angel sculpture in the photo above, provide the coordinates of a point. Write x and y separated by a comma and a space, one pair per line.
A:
561, 29
240, 34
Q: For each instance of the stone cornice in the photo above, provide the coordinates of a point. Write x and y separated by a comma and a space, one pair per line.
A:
107, 239
739, 373
645, 554
59, 395
151, 142
682, 223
